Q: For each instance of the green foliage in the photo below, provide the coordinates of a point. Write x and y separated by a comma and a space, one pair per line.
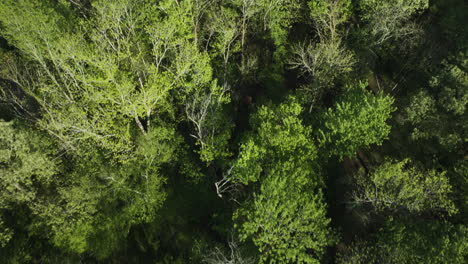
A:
94, 213
279, 17
400, 185
459, 177
6, 233
399, 242
212, 127
113, 76
278, 137
410, 7
391, 21
334, 11
286, 217
120, 116
27, 170
80, 210
327, 60
437, 112
356, 121
27, 163
115, 198
286, 220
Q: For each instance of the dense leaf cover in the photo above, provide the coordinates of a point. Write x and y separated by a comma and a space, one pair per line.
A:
233, 131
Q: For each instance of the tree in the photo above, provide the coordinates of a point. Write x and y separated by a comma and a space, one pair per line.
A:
27, 169
234, 255
434, 114
286, 216
88, 207
401, 186
391, 21
99, 80
278, 18
101, 201
416, 242
274, 15
326, 59
211, 124
324, 63
357, 120
223, 34
286, 220
75, 80
121, 115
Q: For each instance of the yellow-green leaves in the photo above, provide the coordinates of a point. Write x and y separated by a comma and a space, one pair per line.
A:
401, 186
335, 12
104, 81
25, 163
409, 6
286, 217
279, 136
27, 168
356, 121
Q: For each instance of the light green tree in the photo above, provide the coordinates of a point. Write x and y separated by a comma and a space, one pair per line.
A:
391, 21
356, 121
88, 206
27, 168
286, 217
397, 186
105, 79
94, 209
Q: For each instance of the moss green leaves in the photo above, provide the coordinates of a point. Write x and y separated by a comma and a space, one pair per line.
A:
411, 243
437, 111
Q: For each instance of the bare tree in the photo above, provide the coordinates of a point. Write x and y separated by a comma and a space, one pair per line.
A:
326, 59
322, 61
204, 111
391, 20
227, 186
232, 256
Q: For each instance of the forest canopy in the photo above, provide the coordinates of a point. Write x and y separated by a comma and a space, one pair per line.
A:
233, 131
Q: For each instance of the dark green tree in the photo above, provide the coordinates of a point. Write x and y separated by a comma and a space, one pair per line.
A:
415, 242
